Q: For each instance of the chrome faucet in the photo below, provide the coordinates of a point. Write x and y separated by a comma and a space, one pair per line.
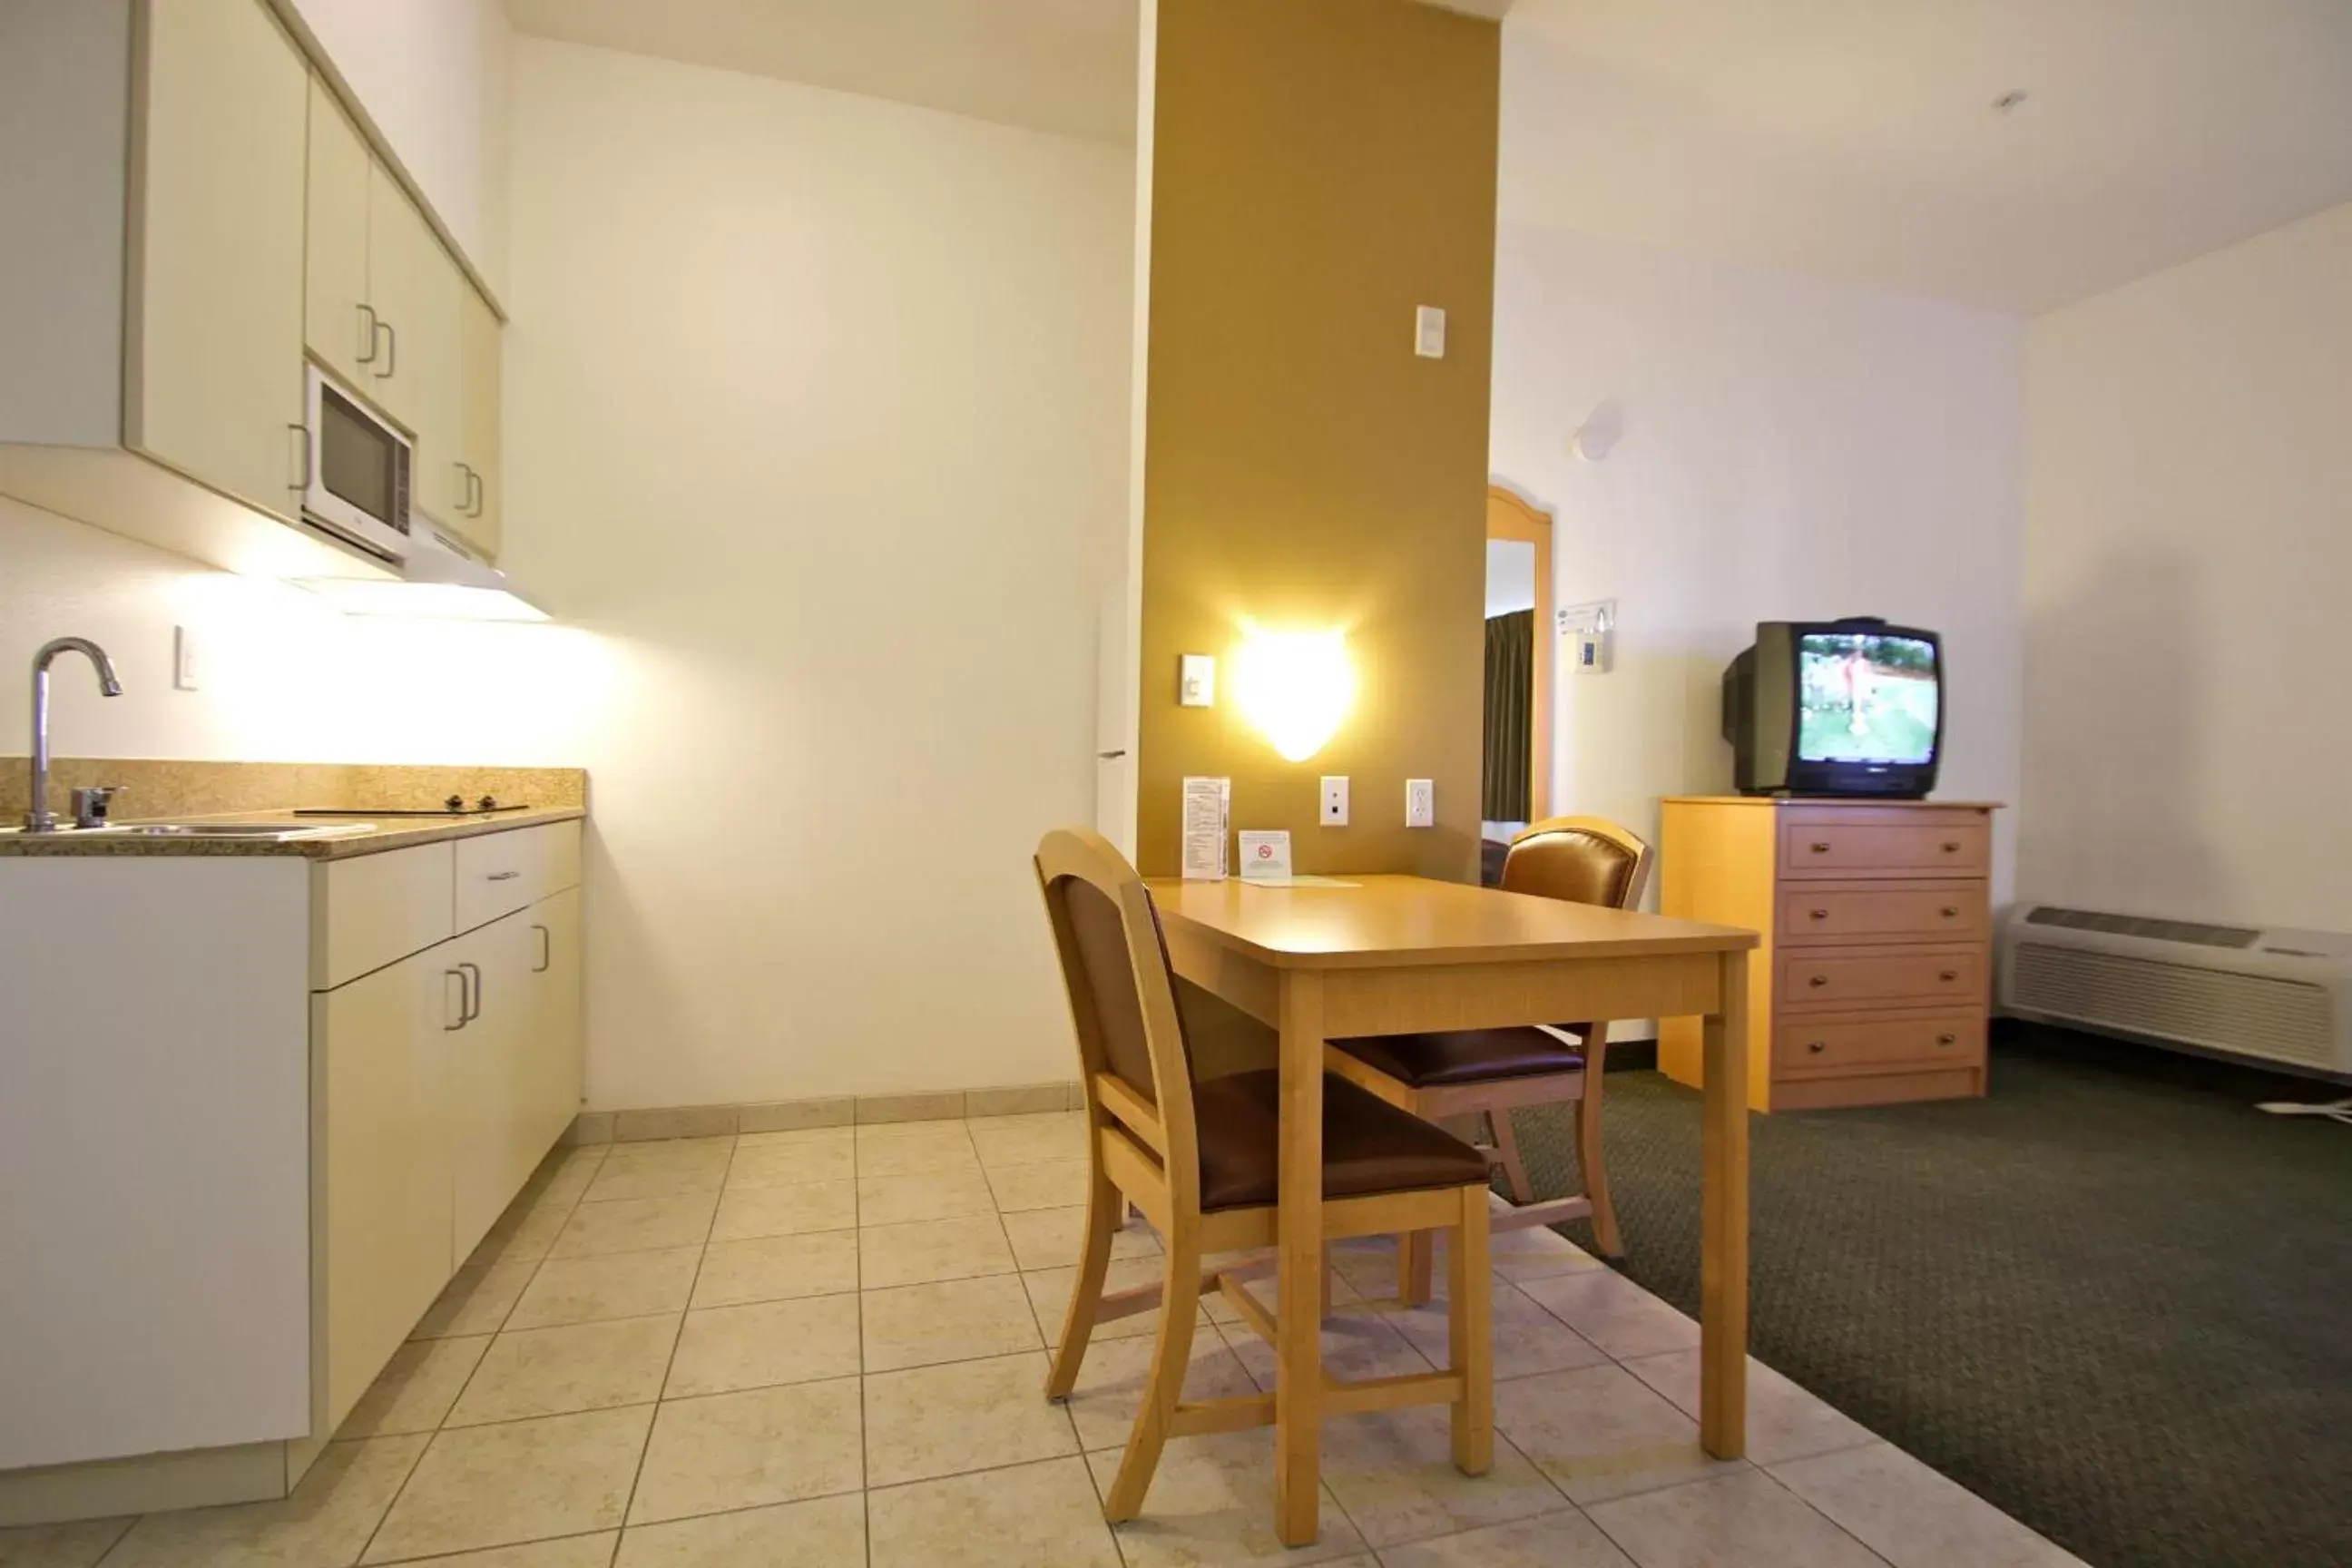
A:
40, 819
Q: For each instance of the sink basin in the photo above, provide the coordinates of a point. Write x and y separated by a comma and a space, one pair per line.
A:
276, 831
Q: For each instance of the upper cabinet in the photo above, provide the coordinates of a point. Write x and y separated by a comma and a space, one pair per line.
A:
205, 213
216, 297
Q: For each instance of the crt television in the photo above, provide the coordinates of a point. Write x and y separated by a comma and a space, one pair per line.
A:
1836, 708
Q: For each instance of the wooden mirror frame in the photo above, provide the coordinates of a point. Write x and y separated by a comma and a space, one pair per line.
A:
1511, 516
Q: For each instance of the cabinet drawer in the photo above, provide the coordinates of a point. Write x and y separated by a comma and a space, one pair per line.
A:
1897, 844
1814, 981
1957, 911
1824, 1045
498, 873
374, 910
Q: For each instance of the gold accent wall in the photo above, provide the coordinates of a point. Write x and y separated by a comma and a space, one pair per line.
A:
1320, 168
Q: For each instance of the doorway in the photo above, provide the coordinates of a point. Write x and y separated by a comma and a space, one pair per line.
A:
1516, 782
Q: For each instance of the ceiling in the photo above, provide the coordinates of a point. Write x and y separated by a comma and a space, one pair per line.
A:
1857, 138
1064, 66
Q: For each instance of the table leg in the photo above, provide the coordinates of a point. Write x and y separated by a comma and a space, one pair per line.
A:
1298, 1362
1723, 1221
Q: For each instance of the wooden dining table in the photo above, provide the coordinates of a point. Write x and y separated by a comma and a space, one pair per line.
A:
1389, 955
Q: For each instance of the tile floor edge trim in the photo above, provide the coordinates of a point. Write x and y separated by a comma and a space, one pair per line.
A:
828, 1111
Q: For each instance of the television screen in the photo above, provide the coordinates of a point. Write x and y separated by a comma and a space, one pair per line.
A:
1865, 698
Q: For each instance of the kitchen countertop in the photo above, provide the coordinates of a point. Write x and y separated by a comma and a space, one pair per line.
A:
382, 834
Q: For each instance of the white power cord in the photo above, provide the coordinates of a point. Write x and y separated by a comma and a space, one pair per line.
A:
2335, 1111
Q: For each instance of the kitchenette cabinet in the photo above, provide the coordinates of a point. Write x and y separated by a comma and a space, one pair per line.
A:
257, 1123
207, 212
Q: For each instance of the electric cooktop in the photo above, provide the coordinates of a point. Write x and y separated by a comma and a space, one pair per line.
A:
456, 805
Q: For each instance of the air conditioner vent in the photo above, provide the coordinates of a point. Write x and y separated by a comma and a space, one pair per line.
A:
2285, 1020
2140, 925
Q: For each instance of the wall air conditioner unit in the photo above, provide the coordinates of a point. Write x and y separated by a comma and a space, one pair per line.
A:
2280, 996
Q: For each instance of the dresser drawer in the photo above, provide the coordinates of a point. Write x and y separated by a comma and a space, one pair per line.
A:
498, 873
1894, 844
1803, 1048
1889, 911
1834, 979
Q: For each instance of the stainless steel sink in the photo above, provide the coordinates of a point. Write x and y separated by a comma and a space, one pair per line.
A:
276, 832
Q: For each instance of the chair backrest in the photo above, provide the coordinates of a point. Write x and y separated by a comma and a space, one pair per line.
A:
1122, 999
1579, 859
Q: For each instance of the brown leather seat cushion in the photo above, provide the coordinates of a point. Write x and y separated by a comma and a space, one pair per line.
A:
1464, 1056
1368, 1145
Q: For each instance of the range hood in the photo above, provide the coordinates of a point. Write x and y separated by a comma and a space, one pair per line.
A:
439, 580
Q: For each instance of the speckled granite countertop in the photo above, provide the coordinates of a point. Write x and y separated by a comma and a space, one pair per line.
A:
375, 835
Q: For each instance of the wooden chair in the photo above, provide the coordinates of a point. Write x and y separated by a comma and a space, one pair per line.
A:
1201, 1160
1583, 859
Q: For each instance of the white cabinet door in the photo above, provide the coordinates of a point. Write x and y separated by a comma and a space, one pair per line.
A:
338, 324
419, 369
489, 1078
555, 1043
380, 1167
479, 421
214, 360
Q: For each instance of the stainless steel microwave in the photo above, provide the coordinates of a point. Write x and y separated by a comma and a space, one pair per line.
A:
357, 478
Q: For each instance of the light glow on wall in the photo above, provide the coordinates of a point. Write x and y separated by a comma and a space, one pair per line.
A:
1293, 687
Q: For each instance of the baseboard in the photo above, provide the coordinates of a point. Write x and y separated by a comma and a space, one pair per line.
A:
148, 1483
832, 1111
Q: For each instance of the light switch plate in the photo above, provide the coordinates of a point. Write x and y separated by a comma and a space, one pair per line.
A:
1421, 803
1429, 332
186, 668
1196, 680
1335, 800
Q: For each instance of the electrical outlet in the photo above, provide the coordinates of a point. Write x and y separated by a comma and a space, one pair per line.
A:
1421, 803
1334, 801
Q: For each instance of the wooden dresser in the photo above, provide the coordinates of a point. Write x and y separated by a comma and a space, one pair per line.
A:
1874, 979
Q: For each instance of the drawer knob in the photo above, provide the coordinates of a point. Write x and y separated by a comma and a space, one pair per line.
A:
1948, 974
1821, 846
1951, 912
1948, 1039
1817, 1047
1951, 846
1819, 914
1818, 980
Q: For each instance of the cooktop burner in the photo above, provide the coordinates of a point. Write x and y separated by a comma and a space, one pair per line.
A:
456, 805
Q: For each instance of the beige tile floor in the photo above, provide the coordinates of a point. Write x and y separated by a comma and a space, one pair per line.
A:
803, 1349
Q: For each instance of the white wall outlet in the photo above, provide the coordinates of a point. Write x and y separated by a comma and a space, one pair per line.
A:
1196, 680
1334, 801
1429, 332
1421, 803
187, 668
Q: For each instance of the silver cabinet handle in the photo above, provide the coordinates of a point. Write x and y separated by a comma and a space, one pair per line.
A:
302, 445
477, 491
501, 875
390, 365
367, 334
546, 950
474, 971
465, 486
456, 975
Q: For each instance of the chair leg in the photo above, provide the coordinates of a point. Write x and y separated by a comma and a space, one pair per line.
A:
1596, 1174
1470, 1335
1106, 1208
1180, 1305
1416, 1268
1514, 1170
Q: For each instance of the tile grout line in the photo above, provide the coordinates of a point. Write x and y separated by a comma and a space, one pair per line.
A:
857, 1266
441, 1423
636, 1476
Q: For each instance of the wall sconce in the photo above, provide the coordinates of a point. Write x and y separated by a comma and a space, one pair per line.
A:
1293, 688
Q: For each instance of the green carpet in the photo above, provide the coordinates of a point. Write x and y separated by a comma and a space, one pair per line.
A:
2110, 1297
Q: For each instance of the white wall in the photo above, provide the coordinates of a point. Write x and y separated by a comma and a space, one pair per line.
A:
2189, 546
817, 412
283, 676
434, 75
1792, 448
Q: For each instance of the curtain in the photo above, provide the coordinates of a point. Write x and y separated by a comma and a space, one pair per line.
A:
1510, 713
